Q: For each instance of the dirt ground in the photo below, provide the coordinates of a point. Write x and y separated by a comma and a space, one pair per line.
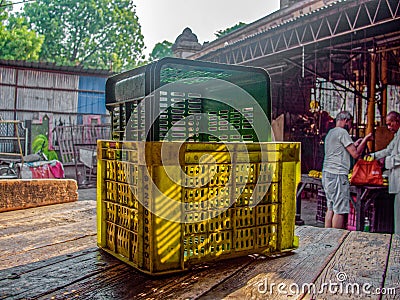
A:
309, 212
87, 194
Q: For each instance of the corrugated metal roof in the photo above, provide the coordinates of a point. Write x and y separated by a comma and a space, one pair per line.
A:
261, 22
47, 66
288, 21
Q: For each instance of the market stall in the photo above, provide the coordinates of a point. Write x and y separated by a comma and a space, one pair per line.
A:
373, 202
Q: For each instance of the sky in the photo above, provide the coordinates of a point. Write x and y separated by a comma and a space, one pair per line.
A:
166, 19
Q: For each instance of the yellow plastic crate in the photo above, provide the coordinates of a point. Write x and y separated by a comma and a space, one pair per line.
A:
164, 206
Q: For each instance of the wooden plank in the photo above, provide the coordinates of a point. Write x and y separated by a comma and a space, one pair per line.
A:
36, 282
124, 282
225, 276
26, 193
121, 282
28, 215
317, 245
22, 242
16, 271
47, 252
357, 268
44, 232
191, 284
391, 288
197, 281
61, 262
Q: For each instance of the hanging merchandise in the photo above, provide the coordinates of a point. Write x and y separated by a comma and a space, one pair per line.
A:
367, 173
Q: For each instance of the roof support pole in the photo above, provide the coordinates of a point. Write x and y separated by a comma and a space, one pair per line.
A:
384, 79
359, 87
371, 99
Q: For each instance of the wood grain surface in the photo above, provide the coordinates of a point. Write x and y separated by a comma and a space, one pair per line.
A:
50, 252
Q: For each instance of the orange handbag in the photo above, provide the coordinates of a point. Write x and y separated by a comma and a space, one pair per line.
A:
367, 173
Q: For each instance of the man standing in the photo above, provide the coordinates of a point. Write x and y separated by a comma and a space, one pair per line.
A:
391, 156
338, 148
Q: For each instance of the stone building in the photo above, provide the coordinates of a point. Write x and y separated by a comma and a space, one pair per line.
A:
186, 44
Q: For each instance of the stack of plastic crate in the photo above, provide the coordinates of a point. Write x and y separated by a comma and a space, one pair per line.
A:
219, 190
379, 213
351, 217
321, 206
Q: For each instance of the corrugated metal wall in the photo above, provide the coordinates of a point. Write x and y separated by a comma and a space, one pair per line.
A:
7, 76
47, 92
64, 96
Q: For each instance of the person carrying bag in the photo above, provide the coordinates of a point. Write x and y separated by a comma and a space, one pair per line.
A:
390, 156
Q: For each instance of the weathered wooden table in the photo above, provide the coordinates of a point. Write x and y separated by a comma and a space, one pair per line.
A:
50, 253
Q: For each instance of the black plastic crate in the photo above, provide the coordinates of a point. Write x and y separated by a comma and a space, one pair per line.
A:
178, 100
381, 214
321, 206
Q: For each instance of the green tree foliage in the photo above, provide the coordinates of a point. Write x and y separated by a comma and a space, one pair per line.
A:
221, 33
16, 40
160, 50
100, 34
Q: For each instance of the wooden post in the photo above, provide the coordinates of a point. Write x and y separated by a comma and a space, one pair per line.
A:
359, 88
384, 79
362, 85
371, 99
